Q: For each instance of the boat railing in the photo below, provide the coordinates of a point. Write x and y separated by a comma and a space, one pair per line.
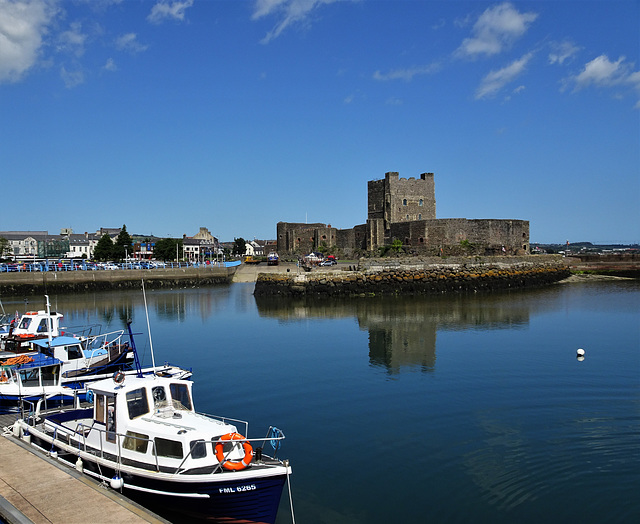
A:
228, 420
32, 409
104, 341
132, 442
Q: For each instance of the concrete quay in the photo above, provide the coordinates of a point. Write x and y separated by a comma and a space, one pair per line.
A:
15, 283
37, 489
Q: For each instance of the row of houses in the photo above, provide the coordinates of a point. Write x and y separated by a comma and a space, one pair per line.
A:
25, 245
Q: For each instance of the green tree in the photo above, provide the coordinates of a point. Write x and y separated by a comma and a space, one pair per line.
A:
239, 246
166, 248
122, 247
104, 248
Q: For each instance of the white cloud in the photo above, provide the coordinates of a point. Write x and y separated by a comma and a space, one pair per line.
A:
110, 65
289, 12
71, 78
562, 51
602, 72
496, 80
129, 42
22, 26
167, 9
72, 40
496, 28
407, 74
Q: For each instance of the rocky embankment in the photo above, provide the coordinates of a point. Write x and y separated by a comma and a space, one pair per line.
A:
415, 276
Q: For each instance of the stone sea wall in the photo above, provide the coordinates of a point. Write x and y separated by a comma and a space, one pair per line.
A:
76, 281
418, 276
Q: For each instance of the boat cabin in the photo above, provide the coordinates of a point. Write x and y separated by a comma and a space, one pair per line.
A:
152, 421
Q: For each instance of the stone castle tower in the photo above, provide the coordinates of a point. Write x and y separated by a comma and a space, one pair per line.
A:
394, 199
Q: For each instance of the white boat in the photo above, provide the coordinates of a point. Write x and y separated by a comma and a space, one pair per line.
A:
30, 377
143, 436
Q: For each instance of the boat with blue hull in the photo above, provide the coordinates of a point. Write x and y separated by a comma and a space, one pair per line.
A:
143, 436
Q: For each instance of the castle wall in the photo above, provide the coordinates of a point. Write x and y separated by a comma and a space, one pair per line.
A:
482, 236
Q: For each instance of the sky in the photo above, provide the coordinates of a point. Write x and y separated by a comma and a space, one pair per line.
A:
233, 115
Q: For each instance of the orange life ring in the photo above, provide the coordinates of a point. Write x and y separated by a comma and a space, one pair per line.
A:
233, 465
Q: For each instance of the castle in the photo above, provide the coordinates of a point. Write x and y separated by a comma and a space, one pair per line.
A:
401, 209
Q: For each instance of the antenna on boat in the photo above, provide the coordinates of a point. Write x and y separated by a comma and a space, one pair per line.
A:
146, 310
136, 360
49, 321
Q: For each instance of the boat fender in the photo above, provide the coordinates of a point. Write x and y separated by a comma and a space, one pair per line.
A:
89, 396
79, 465
116, 482
233, 465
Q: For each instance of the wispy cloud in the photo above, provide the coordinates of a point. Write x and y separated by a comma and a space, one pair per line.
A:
407, 74
22, 25
71, 78
110, 65
288, 12
129, 42
72, 40
602, 72
496, 29
496, 80
167, 9
561, 51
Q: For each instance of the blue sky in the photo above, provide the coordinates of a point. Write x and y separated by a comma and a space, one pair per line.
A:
234, 115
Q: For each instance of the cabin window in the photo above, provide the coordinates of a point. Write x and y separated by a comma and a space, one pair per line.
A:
136, 442
198, 449
49, 375
74, 352
168, 448
159, 397
100, 409
111, 419
180, 396
42, 327
137, 403
25, 323
29, 377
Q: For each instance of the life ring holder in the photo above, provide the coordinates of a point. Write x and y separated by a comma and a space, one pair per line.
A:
233, 465
118, 378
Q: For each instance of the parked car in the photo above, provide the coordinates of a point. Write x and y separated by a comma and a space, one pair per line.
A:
328, 262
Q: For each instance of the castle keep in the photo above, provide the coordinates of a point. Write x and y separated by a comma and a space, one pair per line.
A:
405, 210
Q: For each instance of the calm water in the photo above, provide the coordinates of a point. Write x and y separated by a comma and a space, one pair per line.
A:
445, 409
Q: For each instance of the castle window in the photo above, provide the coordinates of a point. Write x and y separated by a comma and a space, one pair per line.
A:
421, 240
404, 201
407, 217
421, 202
420, 216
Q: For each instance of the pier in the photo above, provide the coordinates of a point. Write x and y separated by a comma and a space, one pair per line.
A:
38, 489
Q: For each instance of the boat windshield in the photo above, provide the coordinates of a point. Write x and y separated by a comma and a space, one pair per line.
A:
137, 403
180, 397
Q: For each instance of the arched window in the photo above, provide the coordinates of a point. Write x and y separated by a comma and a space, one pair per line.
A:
404, 201
421, 202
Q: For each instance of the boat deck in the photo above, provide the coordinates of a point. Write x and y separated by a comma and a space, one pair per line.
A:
34, 488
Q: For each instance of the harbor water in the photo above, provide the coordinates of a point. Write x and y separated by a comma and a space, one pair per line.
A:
464, 408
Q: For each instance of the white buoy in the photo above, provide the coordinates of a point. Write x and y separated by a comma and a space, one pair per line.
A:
580, 352
117, 482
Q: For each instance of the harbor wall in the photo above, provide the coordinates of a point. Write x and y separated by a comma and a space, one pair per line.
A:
416, 276
74, 281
